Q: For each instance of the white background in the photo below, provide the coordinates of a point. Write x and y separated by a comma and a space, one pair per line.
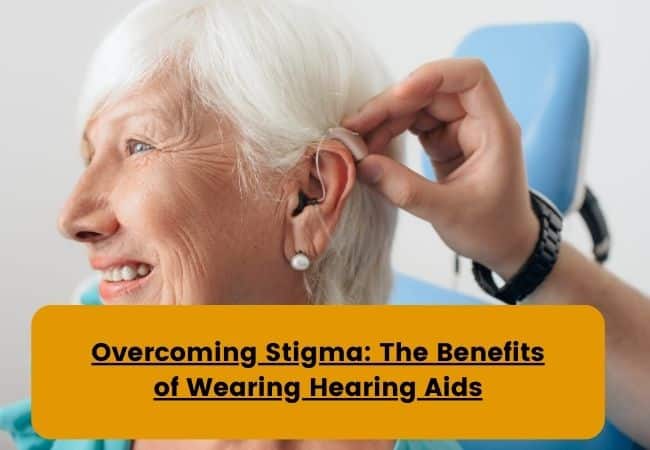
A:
44, 48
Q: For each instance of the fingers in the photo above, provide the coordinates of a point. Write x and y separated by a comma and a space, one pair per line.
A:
379, 138
462, 136
401, 186
424, 123
442, 144
468, 80
446, 108
387, 106
441, 109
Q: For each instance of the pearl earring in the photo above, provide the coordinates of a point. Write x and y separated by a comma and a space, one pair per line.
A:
300, 262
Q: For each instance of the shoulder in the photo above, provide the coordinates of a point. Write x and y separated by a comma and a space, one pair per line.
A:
16, 419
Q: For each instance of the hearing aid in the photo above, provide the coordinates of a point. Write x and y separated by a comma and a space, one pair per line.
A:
353, 141
303, 202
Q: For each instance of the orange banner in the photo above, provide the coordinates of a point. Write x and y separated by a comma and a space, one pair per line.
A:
326, 372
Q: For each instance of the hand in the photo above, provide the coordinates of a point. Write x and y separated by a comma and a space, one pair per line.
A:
480, 205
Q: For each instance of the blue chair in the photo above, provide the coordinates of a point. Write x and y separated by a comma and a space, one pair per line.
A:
543, 73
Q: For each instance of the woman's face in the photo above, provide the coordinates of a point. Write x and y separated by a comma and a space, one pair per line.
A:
160, 211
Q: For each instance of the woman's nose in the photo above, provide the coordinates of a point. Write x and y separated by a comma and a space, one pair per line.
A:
87, 219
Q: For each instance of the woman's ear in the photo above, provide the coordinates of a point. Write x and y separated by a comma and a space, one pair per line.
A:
316, 198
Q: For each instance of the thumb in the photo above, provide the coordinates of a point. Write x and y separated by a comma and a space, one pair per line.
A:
401, 186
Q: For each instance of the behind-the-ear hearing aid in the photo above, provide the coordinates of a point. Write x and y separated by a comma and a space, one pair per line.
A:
353, 141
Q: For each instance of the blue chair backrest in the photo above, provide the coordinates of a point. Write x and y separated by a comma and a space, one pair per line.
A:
543, 73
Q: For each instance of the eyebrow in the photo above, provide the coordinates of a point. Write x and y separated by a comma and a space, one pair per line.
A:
171, 112
153, 114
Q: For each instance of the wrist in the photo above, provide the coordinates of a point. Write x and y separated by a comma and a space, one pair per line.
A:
521, 247
524, 278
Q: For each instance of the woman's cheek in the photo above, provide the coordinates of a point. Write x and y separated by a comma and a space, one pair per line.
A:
146, 199
195, 222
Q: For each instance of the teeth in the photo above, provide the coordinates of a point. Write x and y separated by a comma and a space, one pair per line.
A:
143, 270
126, 273
129, 273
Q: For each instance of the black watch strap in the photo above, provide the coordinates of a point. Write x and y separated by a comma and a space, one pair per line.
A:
539, 263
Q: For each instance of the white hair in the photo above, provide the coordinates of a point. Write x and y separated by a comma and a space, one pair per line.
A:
282, 74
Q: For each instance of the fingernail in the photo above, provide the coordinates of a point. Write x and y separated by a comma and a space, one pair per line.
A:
350, 120
370, 173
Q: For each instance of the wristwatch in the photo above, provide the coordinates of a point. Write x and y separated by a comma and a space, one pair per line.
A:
539, 263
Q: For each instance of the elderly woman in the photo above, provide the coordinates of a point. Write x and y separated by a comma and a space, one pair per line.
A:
210, 178
201, 124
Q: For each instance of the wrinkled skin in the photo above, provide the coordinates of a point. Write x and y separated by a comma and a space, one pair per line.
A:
179, 206
161, 188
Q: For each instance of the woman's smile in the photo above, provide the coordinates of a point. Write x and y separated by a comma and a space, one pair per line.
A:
120, 277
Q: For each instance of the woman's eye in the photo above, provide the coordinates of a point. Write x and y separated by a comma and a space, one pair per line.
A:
134, 147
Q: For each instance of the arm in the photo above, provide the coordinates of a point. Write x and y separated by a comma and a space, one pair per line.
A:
576, 279
481, 209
